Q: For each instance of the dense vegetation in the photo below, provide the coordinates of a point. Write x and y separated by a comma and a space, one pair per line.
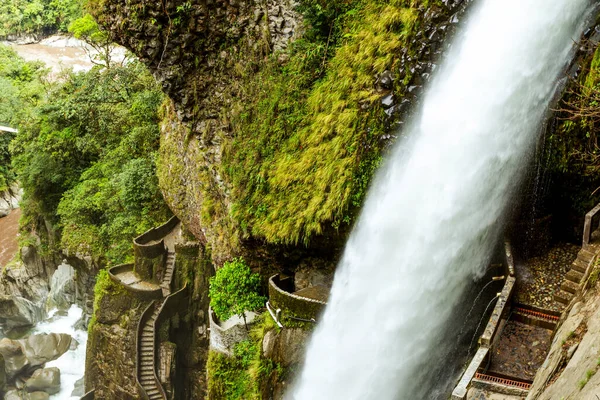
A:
37, 16
85, 153
234, 290
22, 90
574, 149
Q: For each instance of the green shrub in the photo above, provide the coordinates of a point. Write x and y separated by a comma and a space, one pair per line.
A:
234, 290
37, 16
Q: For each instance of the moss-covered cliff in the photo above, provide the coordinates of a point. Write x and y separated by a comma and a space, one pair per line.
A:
279, 112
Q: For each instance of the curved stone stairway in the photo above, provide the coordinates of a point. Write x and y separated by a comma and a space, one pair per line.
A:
147, 350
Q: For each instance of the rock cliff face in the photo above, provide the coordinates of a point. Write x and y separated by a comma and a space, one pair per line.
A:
569, 371
208, 57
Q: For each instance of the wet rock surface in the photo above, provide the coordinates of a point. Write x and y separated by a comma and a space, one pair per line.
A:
63, 288
44, 380
520, 351
540, 277
23, 356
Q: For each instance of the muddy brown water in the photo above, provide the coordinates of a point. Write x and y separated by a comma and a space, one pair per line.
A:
9, 228
55, 58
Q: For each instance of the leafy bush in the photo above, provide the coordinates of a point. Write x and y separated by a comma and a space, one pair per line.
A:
21, 87
86, 160
234, 290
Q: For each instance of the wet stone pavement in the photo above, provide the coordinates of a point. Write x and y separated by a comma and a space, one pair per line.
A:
520, 351
539, 277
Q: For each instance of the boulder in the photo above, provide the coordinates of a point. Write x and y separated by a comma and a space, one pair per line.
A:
79, 389
26, 354
41, 348
38, 396
17, 311
63, 288
14, 359
44, 380
13, 395
20, 395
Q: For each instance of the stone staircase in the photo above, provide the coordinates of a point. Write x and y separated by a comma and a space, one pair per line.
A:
168, 277
147, 363
582, 264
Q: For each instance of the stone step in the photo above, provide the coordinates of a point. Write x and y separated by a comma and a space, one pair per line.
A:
585, 255
569, 286
563, 297
147, 370
574, 276
155, 397
579, 265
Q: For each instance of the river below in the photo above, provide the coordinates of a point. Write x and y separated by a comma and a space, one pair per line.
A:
59, 52
9, 230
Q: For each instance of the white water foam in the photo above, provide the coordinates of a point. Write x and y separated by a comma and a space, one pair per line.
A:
435, 210
72, 363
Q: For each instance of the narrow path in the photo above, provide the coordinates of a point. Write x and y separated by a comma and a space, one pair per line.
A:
147, 364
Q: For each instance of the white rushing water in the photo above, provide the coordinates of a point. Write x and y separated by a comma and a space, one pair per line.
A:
72, 363
435, 210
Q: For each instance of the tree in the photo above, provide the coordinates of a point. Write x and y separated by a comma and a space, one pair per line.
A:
86, 29
234, 290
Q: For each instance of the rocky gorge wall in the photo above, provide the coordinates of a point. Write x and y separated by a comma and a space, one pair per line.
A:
210, 57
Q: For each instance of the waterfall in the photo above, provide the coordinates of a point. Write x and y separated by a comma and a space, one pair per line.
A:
436, 208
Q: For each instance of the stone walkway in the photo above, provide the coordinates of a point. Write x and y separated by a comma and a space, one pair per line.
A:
520, 351
132, 280
540, 277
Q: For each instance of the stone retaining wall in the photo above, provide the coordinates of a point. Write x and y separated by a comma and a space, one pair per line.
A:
139, 293
291, 305
497, 318
150, 250
223, 340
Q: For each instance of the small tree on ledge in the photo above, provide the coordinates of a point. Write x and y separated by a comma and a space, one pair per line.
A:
234, 290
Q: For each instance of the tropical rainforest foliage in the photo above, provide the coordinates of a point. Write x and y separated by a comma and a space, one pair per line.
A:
85, 159
22, 89
37, 16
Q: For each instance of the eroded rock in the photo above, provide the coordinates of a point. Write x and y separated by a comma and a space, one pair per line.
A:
63, 289
25, 355
17, 311
44, 380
